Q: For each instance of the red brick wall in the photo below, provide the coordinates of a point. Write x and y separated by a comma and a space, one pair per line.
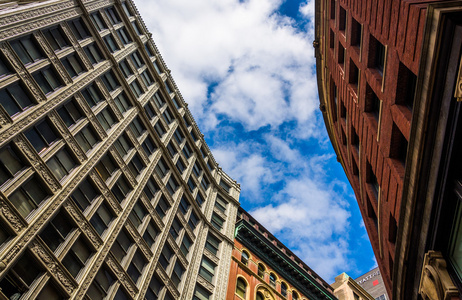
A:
398, 25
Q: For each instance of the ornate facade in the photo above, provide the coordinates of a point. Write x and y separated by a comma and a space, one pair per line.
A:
389, 82
108, 189
262, 268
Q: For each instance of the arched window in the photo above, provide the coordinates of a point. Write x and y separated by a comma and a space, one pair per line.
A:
245, 258
272, 279
260, 296
284, 289
295, 296
261, 270
241, 287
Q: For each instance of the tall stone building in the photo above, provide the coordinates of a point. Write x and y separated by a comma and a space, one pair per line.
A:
262, 268
389, 79
108, 189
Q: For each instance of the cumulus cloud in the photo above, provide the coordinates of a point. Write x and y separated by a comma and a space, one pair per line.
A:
259, 63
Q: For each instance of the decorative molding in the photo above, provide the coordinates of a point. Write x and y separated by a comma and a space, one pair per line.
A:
123, 278
33, 13
97, 5
205, 283
83, 224
458, 89
435, 282
8, 212
61, 275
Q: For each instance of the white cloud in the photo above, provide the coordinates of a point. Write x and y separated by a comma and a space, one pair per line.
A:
260, 63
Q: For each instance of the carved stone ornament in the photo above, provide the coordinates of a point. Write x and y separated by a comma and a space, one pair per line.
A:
122, 276
458, 89
435, 282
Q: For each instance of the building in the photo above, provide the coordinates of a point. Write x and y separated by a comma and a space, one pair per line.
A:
108, 189
346, 288
389, 84
262, 268
372, 283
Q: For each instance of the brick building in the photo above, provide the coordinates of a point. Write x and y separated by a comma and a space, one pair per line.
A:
387, 78
107, 187
262, 268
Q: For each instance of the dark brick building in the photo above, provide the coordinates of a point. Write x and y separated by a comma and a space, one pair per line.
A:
387, 78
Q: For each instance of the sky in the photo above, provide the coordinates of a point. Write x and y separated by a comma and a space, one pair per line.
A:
246, 68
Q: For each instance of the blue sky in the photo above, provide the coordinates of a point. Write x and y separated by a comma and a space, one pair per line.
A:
246, 69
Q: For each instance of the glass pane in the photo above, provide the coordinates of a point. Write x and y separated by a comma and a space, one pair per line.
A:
22, 203
46, 132
35, 191
56, 168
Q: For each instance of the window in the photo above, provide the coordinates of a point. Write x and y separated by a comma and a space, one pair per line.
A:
27, 49
136, 88
341, 55
245, 258
121, 245
100, 286
135, 269
97, 20
372, 180
148, 50
205, 183
126, 10
110, 43
187, 151
165, 256
85, 194
123, 145
41, 136
217, 221
10, 163
185, 245
272, 278
156, 66
177, 273
121, 294
221, 204
113, 15
14, 99
138, 214
137, 127
147, 79
399, 144
121, 188
49, 292
172, 185
79, 29
70, 113
20, 277
92, 95
136, 165
57, 230
56, 38
137, 60
73, 65
154, 288
175, 229
124, 36
191, 185
342, 19
87, 138
47, 79
162, 207
199, 199
167, 115
106, 118
184, 205
137, 28
125, 68
175, 103
180, 166
150, 234
167, 86
197, 170
77, 256
102, 218
406, 86
241, 288
261, 270
356, 33
212, 244
207, 269
151, 189
93, 53
353, 75
160, 102
284, 289
295, 296
61, 164
193, 221
122, 103
161, 168
179, 137
160, 130
209, 165
332, 9
225, 186
106, 167
372, 103
201, 294
377, 54
149, 110
110, 81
